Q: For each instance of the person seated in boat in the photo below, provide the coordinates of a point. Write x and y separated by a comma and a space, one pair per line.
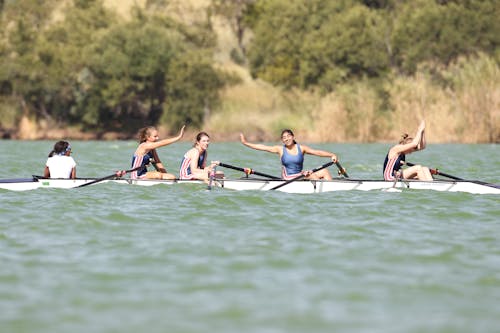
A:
292, 156
60, 164
395, 158
193, 165
146, 153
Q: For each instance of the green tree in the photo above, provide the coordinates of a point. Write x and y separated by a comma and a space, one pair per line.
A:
92, 69
318, 42
193, 91
427, 30
21, 70
236, 13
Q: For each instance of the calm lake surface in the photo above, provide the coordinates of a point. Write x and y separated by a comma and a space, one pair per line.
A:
116, 258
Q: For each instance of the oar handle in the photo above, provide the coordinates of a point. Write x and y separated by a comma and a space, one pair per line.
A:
247, 171
326, 165
341, 169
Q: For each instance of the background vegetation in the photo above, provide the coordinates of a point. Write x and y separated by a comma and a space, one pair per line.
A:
347, 70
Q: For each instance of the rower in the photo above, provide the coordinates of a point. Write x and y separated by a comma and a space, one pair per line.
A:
292, 156
60, 164
148, 142
396, 157
194, 162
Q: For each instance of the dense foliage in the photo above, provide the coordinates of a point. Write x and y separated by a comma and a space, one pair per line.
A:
102, 72
322, 43
77, 62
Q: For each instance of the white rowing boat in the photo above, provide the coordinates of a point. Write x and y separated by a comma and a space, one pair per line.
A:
299, 186
26, 184
343, 184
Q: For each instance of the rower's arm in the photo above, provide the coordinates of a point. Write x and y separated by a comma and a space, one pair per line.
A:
157, 163
165, 142
318, 152
258, 146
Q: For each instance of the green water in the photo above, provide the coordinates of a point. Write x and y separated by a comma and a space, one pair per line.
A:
117, 258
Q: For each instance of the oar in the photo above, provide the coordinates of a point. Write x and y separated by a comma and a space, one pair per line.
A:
437, 172
326, 165
248, 171
109, 177
341, 169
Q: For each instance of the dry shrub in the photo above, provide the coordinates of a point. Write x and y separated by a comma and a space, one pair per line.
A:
352, 113
462, 105
258, 110
476, 89
415, 98
329, 119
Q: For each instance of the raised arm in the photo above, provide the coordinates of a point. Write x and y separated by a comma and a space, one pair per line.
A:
418, 142
317, 152
258, 146
421, 130
165, 142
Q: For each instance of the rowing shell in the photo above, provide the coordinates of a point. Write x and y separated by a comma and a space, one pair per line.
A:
319, 186
300, 186
26, 184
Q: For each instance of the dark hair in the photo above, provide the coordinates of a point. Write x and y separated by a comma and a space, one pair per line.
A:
60, 148
289, 131
199, 136
144, 132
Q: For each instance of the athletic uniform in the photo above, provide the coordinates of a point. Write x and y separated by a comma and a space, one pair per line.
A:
292, 164
391, 166
60, 166
138, 161
185, 170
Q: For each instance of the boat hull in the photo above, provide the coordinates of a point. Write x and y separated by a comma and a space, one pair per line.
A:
26, 184
246, 184
319, 186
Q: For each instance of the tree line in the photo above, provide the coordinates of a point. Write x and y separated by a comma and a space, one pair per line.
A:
93, 68
321, 43
80, 63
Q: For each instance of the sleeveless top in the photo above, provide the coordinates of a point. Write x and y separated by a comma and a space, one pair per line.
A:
392, 165
292, 164
138, 161
185, 169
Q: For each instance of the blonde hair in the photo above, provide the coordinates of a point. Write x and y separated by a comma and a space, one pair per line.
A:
405, 138
144, 133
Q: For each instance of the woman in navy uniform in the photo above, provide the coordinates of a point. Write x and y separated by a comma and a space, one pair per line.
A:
395, 158
146, 153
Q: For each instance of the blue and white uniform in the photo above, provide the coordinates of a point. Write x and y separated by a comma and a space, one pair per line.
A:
393, 165
185, 169
138, 161
292, 164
